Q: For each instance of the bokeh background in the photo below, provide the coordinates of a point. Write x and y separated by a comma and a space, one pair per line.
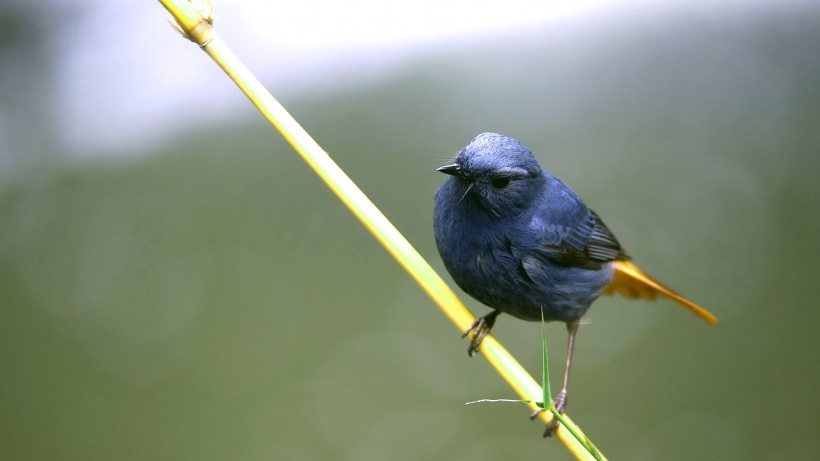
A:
176, 284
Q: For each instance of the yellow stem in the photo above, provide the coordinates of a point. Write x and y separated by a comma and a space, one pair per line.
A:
200, 31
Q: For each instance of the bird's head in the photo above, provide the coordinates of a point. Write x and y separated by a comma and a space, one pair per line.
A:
498, 172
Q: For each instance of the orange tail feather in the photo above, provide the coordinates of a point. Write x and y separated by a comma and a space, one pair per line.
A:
632, 282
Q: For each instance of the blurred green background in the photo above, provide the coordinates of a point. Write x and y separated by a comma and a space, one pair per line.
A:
207, 297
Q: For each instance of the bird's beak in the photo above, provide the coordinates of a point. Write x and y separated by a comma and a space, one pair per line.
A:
452, 170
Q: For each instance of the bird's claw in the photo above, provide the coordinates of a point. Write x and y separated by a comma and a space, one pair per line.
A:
479, 329
560, 403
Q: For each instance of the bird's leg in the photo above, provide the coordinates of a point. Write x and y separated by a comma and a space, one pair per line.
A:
560, 401
479, 328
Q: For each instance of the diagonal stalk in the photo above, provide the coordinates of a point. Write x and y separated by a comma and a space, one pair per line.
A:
199, 30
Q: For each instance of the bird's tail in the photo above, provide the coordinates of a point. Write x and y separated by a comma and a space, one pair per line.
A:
632, 282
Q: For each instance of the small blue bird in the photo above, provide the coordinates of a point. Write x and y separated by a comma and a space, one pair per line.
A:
519, 240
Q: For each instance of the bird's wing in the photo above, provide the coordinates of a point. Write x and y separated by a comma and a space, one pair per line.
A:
632, 282
588, 244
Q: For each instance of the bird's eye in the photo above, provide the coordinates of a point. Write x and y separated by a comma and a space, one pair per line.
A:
500, 182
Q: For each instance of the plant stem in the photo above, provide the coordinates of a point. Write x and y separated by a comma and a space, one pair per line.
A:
201, 32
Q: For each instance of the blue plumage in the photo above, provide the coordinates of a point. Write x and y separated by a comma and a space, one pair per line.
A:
518, 239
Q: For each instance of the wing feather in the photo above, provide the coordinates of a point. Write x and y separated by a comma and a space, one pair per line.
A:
588, 245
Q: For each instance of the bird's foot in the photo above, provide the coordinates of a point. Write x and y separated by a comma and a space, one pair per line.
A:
560, 403
478, 330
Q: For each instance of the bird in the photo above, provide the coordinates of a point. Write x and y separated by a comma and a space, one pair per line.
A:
520, 241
